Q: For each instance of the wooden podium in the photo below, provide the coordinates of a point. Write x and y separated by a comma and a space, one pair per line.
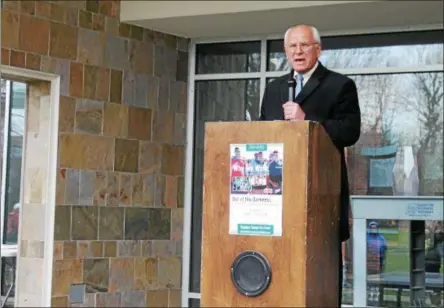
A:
299, 264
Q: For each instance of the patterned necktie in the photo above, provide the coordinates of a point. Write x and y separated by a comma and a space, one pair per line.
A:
299, 83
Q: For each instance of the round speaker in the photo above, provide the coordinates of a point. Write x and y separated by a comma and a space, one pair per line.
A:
251, 273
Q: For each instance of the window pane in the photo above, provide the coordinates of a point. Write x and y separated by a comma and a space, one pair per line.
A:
365, 57
219, 58
8, 279
400, 150
194, 303
14, 162
220, 100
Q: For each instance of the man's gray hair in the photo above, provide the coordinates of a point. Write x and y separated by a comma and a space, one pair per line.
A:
316, 35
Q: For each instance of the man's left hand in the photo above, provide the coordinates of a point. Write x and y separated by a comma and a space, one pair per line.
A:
292, 111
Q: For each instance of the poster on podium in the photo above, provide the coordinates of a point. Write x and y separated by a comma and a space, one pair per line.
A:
256, 189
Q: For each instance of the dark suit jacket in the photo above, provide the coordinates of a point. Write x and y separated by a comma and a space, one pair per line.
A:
332, 100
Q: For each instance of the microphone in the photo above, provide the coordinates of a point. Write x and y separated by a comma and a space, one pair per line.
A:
291, 87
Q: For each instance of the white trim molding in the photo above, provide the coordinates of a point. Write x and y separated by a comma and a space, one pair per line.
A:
26, 74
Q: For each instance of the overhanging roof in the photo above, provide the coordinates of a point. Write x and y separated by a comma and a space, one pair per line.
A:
218, 19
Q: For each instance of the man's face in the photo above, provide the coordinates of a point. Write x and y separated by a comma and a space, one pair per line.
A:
301, 50
237, 153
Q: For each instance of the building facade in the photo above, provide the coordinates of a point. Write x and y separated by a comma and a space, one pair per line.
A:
103, 112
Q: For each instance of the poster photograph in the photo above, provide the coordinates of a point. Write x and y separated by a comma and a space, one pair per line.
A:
256, 189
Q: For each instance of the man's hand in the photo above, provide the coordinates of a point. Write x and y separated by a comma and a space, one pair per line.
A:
293, 111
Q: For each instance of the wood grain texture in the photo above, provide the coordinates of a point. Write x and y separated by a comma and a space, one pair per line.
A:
304, 259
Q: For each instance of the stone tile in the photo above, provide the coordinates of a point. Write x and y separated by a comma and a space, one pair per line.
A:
27, 7
140, 90
159, 192
109, 249
149, 190
147, 223
87, 181
91, 47
125, 30
172, 160
125, 189
157, 298
31, 221
163, 126
84, 223
166, 62
169, 272
98, 22
100, 185
182, 66
175, 298
72, 186
62, 69
65, 273
112, 190
106, 299
92, 6
96, 249
142, 57
121, 275
180, 191
111, 26
170, 41
105, 8
66, 114
11, 5
139, 123
5, 56
182, 44
61, 186
180, 121
58, 12
126, 155
111, 220
170, 198
43, 9
34, 35
137, 33
115, 120
88, 249
58, 251
152, 92
90, 301
115, 95
145, 273
129, 249
63, 41
62, 223
117, 52
72, 16
163, 101
103, 84
174, 95
133, 299
86, 152
159, 248
18, 59
183, 102
137, 190
128, 88
33, 61
59, 301
85, 19
89, 116
69, 250
90, 81
76, 79
177, 224
149, 157
96, 275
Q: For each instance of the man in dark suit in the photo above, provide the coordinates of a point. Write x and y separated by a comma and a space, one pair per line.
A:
323, 96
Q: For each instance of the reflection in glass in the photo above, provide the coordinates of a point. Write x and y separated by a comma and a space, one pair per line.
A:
216, 100
239, 57
15, 132
365, 57
388, 263
400, 150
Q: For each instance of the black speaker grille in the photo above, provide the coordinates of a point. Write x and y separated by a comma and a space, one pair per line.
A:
251, 273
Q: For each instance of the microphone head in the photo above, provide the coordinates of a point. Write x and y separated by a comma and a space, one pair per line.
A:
291, 82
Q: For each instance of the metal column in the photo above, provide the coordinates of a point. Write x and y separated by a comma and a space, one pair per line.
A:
417, 263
